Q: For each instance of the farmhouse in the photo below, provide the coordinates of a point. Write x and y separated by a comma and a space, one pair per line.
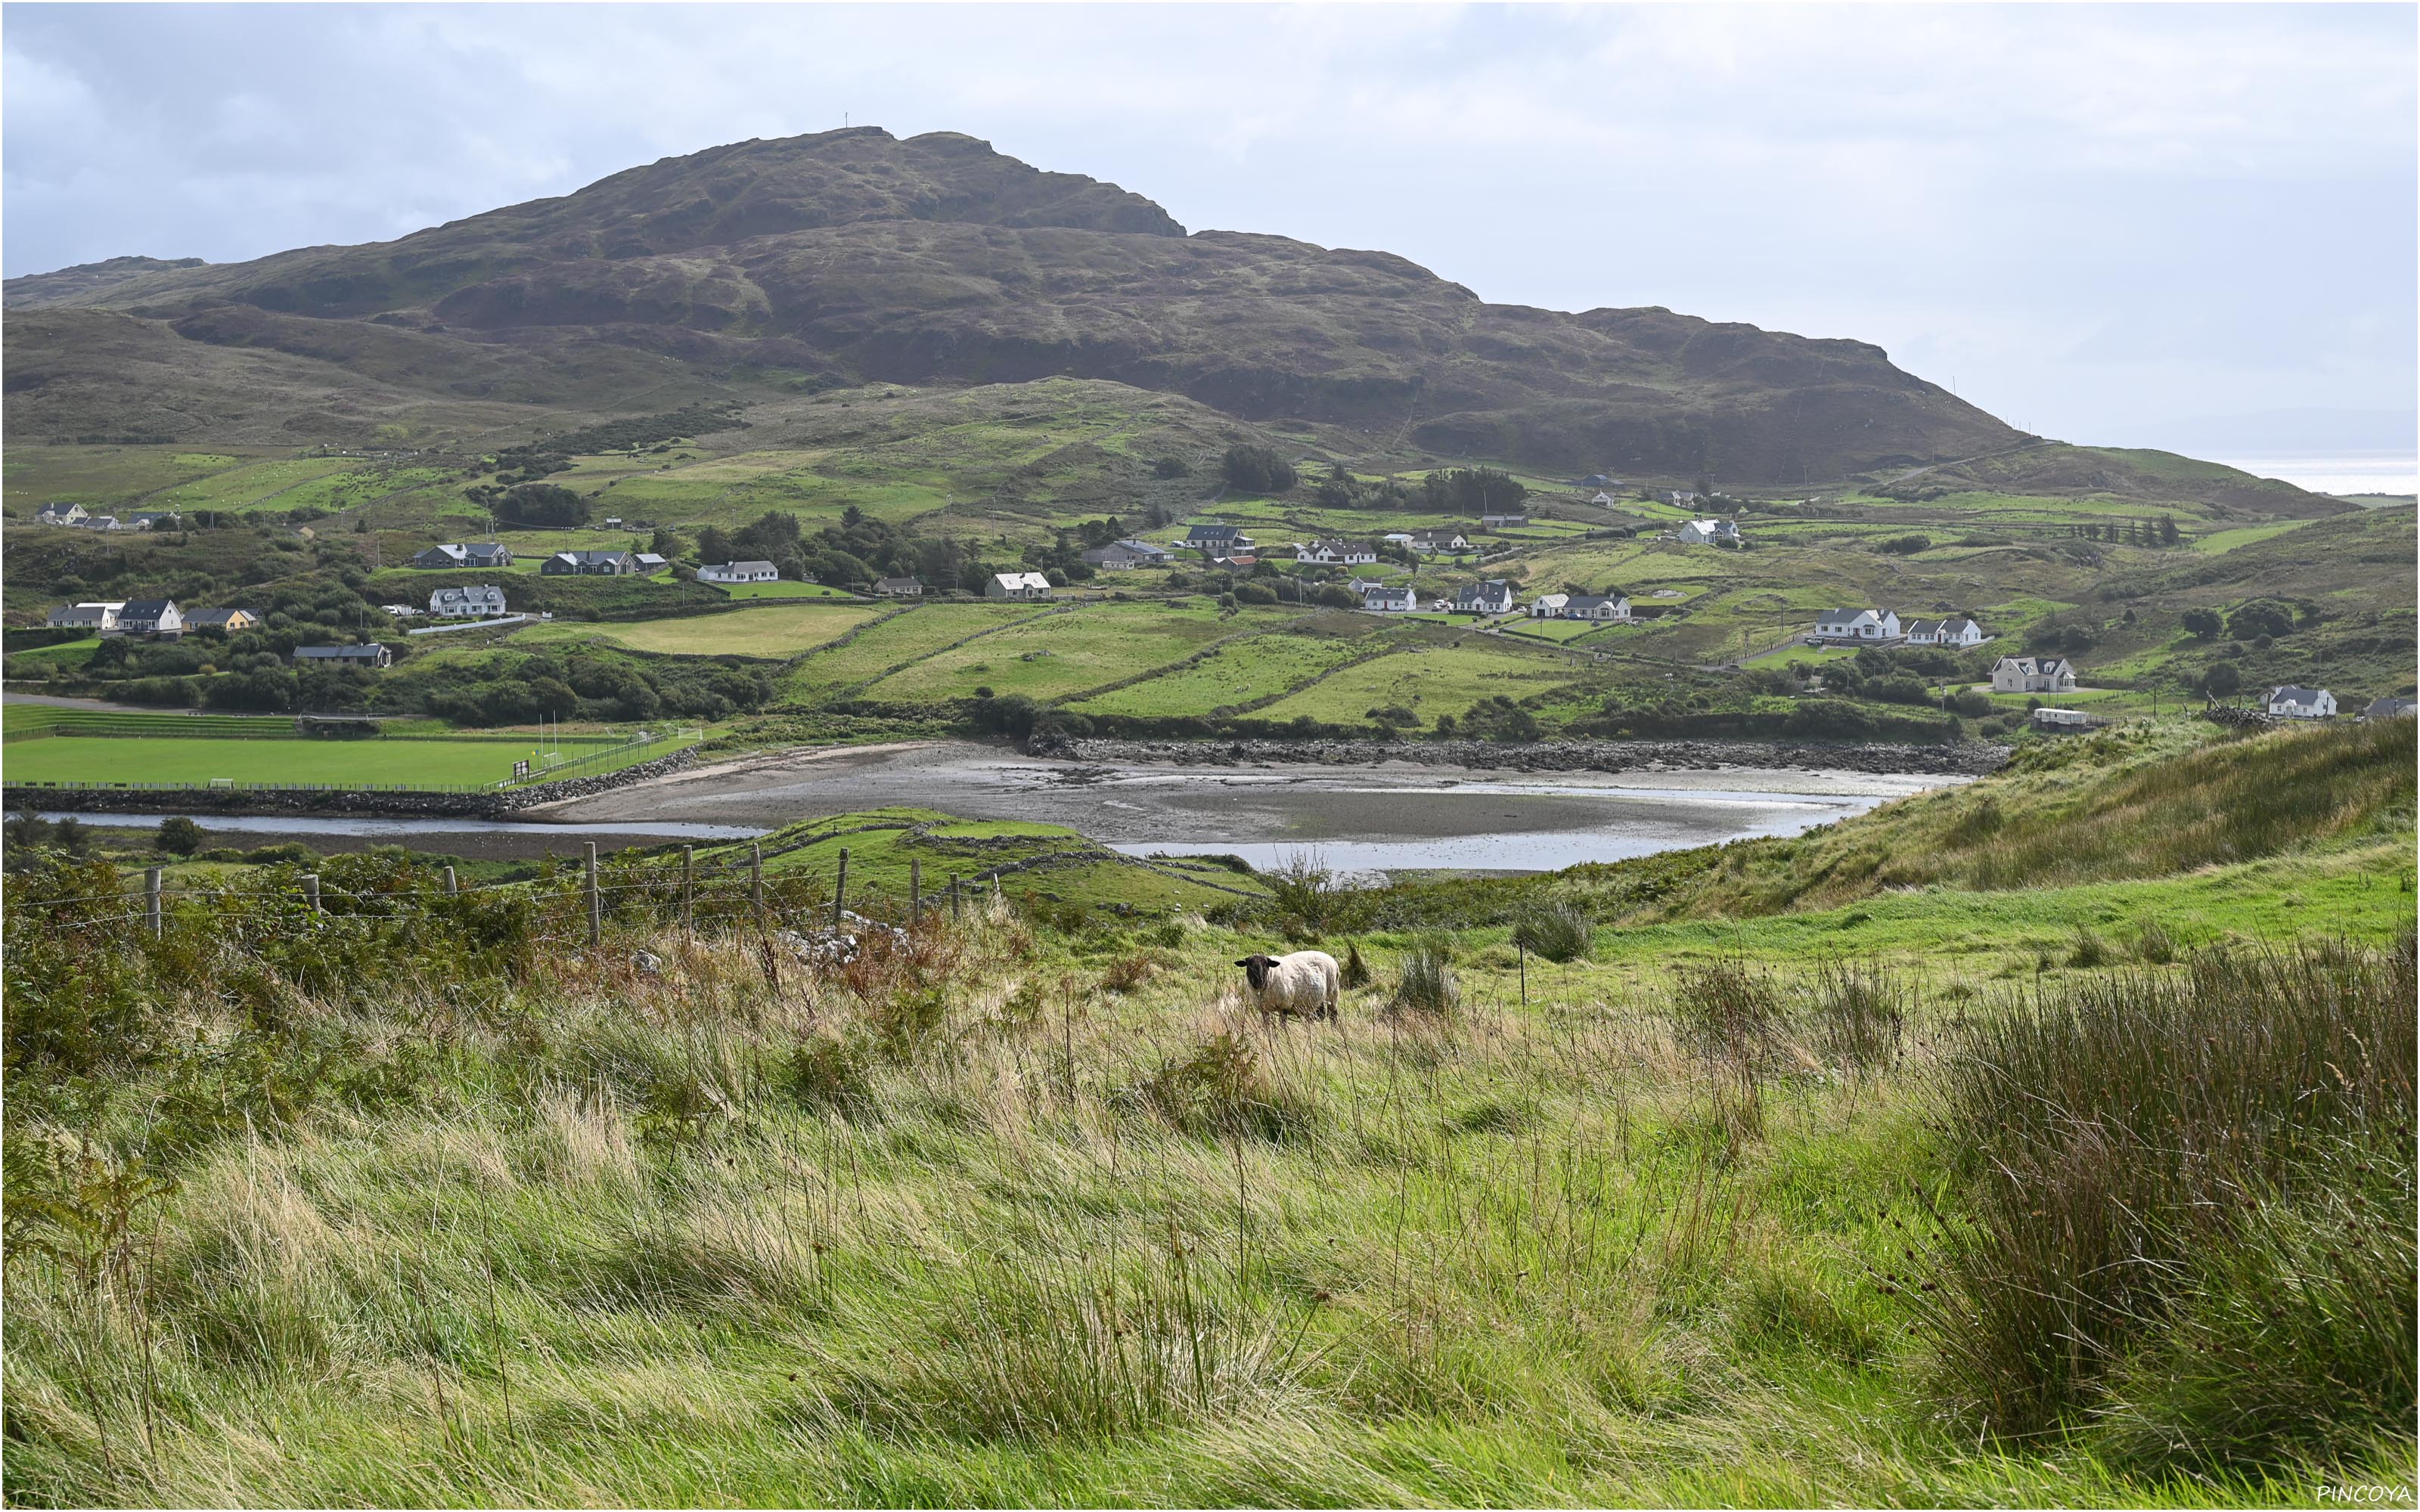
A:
97, 522
2033, 674
1425, 542
2292, 703
1152, 553
594, 564
1602, 501
1960, 633
1684, 497
900, 587
1337, 553
1855, 626
1596, 607
740, 572
1362, 585
1123, 556
2391, 708
369, 656
230, 620
464, 554
1216, 539
153, 519
150, 616
1493, 596
1710, 532
485, 602
1499, 522
1016, 585
1548, 606
1383, 600
651, 562
60, 514
101, 617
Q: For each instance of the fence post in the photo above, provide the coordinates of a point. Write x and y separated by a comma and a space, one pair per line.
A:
840, 886
151, 899
452, 887
311, 893
595, 902
757, 880
954, 899
915, 890
688, 873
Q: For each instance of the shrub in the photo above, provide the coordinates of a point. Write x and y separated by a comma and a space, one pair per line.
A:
180, 836
1424, 980
1859, 1012
1557, 931
2134, 1151
1724, 1010
1224, 1089
827, 1072
2203, 624
2088, 950
1356, 971
1257, 470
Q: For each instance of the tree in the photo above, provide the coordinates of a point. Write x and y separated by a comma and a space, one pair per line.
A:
542, 503
2203, 624
713, 547
2261, 616
1257, 469
180, 836
2222, 679
1170, 467
2167, 530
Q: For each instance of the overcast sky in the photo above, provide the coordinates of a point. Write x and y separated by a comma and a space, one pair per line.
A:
2158, 225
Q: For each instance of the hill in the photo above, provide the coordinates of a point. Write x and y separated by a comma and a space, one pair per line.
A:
852, 257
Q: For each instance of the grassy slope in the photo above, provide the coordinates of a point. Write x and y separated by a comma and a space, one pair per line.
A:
1535, 1253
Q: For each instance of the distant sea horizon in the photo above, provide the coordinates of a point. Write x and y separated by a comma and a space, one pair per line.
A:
2340, 472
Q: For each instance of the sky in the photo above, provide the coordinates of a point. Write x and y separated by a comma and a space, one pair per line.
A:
2168, 225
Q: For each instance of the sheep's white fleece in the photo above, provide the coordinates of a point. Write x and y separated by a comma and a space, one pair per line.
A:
1305, 982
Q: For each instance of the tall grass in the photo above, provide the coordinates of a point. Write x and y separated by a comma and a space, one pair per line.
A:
2133, 1153
1554, 930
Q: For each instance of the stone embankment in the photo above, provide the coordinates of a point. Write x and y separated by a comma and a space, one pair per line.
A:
1966, 758
499, 805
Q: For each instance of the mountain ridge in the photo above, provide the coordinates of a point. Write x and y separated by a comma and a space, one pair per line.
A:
856, 257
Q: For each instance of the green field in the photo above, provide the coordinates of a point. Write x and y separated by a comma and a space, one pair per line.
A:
2219, 542
781, 590
901, 637
1430, 681
1070, 653
775, 633
86, 759
1238, 674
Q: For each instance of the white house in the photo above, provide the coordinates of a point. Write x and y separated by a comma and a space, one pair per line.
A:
1602, 501
1383, 600
1427, 541
1017, 585
1548, 606
99, 617
1364, 585
97, 522
1337, 553
60, 514
1856, 626
2391, 708
1684, 497
2292, 702
150, 616
1959, 633
1493, 596
1709, 532
1217, 540
900, 587
1596, 607
739, 572
1122, 556
485, 602
2033, 674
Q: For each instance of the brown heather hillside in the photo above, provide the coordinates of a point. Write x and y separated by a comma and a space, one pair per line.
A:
852, 256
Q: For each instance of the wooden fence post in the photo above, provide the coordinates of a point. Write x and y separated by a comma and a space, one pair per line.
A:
311, 893
915, 890
839, 888
689, 874
954, 899
757, 880
151, 899
596, 900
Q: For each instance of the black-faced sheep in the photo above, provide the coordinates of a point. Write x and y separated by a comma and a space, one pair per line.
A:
1305, 982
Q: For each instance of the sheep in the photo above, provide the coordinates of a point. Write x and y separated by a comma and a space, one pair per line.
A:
1305, 982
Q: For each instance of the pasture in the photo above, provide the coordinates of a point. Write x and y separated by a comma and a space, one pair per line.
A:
894, 641
1067, 653
1240, 673
775, 632
1430, 681
113, 759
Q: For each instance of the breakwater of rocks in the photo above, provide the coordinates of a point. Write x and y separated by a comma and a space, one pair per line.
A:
1963, 758
496, 805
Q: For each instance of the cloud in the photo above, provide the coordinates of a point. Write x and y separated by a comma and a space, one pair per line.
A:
2048, 201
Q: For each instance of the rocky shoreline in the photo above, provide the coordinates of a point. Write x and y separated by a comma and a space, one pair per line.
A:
335, 802
1963, 759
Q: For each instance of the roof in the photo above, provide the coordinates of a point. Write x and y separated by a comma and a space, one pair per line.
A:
1213, 532
2046, 665
651, 559
752, 567
214, 616
1589, 600
898, 583
2387, 707
146, 608
1020, 579
1144, 547
373, 649
2290, 693
585, 558
1845, 616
